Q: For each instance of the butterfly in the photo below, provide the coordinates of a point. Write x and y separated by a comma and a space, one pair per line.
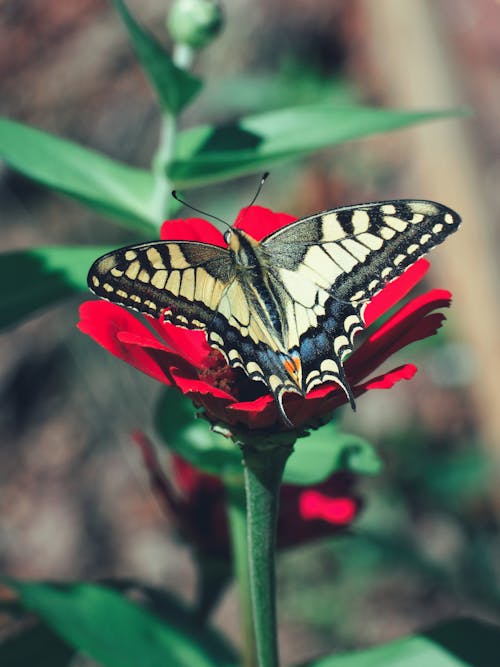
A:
284, 309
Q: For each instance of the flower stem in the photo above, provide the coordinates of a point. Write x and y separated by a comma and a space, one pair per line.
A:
236, 509
263, 474
183, 57
162, 187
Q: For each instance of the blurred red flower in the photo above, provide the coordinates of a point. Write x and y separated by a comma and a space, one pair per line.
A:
182, 358
197, 504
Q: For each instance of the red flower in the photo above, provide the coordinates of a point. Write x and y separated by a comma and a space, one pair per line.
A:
198, 505
182, 358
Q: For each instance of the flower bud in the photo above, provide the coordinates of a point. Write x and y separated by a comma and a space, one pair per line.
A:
195, 22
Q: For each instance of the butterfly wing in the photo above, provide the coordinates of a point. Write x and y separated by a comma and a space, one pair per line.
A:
194, 285
331, 264
185, 277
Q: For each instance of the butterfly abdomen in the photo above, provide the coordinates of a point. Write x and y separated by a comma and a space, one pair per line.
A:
252, 267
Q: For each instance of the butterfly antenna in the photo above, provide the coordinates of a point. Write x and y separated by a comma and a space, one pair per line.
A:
198, 210
261, 185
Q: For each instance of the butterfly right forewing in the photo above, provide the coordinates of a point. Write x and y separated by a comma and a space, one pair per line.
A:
332, 263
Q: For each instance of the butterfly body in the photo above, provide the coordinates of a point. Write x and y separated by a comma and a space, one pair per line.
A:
284, 309
263, 292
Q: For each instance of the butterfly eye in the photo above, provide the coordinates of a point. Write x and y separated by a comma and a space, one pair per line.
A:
227, 236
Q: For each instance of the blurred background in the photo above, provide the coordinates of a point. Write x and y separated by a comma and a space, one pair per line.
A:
74, 497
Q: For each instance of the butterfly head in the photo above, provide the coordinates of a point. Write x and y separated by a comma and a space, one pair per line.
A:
243, 247
235, 237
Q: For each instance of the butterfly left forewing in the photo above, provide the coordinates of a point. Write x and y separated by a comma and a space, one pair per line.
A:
182, 281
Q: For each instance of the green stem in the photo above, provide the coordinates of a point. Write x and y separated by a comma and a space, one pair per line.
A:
183, 57
236, 509
263, 474
162, 197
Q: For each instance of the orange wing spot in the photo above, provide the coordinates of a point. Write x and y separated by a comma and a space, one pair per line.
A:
292, 365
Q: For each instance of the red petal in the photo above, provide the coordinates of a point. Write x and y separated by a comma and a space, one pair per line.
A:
194, 386
186, 476
395, 291
263, 411
389, 379
259, 413
259, 222
316, 505
188, 344
106, 323
166, 359
382, 381
257, 405
329, 397
142, 339
413, 322
415, 309
192, 229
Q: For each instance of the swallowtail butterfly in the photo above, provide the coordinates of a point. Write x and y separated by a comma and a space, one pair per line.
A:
284, 309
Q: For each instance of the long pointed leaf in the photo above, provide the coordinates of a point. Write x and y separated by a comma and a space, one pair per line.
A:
205, 154
39, 277
104, 185
118, 633
326, 451
174, 87
459, 643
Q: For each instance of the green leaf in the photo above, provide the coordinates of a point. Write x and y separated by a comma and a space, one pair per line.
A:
35, 646
106, 186
206, 154
39, 277
294, 84
459, 643
314, 459
192, 438
118, 633
174, 86
327, 450
359, 456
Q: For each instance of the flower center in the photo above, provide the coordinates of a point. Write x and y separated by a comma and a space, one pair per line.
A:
218, 373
